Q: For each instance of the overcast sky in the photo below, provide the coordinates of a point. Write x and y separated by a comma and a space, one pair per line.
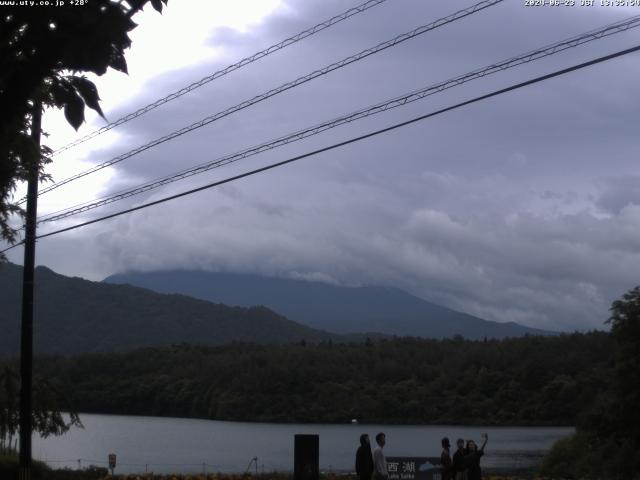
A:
525, 207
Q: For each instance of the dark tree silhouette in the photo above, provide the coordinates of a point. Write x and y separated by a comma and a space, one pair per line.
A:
625, 329
49, 403
43, 53
404, 380
607, 441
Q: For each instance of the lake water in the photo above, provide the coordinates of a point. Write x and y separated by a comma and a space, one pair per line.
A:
164, 445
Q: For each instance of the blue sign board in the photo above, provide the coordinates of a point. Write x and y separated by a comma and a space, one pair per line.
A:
414, 468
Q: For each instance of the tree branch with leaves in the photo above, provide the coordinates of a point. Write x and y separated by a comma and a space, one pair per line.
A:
49, 403
43, 53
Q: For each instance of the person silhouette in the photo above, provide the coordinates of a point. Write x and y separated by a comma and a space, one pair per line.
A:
380, 471
364, 459
445, 460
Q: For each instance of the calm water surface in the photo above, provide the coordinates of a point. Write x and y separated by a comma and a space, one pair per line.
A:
186, 445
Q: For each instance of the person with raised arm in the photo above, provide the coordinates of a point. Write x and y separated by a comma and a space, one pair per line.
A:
472, 459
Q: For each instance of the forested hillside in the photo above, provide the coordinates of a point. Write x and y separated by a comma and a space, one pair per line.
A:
73, 315
525, 381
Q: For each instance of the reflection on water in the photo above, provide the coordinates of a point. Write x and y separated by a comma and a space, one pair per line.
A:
186, 445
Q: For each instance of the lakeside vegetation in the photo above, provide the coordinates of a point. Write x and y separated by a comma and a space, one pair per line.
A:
520, 381
607, 440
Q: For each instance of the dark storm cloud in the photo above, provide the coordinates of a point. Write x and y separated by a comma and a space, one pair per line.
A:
619, 193
522, 208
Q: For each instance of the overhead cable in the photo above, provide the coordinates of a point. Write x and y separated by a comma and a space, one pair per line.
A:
287, 86
362, 113
220, 73
344, 143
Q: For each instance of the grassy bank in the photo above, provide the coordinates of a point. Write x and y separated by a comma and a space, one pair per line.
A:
9, 471
273, 476
270, 476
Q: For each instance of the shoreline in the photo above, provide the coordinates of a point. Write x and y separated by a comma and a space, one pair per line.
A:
328, 423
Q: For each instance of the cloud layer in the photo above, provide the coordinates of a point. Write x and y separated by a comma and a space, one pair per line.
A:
523, 208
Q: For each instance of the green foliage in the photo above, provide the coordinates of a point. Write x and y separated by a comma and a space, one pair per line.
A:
625, 329
40, 471
48, 404
561, 461
42, 50
9, 468
607, 441
585, 456
9, 418
398, 381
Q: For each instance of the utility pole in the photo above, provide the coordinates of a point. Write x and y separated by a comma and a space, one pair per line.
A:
26, 338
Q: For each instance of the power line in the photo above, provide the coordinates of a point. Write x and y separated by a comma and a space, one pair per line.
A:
12, 246
287, 86
347, 142
220, 73
341, 144
530, 56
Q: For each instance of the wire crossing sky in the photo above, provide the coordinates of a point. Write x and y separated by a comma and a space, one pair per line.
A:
527, 57
521, 209
220, 73
350, 141
460, 14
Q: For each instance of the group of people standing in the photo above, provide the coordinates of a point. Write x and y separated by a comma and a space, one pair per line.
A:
464, 465
371, 465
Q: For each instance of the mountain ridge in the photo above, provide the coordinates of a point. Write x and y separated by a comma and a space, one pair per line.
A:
73, 315
342, 310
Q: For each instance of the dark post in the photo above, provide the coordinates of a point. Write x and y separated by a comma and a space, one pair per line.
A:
306, 457
26, 339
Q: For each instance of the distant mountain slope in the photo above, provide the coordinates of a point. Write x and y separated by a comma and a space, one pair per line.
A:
327, 307
73, 315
